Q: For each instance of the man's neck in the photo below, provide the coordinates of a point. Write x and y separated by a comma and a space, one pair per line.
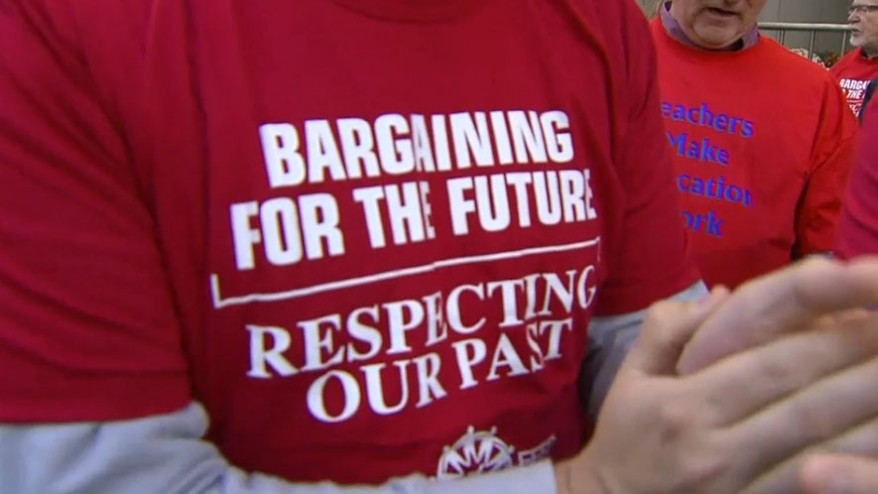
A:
869, 54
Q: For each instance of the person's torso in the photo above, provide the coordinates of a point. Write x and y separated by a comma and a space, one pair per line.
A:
854, 74
402, 223
742, 134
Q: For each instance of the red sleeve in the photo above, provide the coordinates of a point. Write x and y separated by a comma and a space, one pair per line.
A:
87, 326
858, 227
652, 259
835, 144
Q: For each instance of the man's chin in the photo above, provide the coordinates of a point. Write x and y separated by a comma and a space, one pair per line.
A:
717, 37
717, 41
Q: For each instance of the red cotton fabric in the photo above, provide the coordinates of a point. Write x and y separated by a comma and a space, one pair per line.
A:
365, 235
854, 72
858, 227
763, 145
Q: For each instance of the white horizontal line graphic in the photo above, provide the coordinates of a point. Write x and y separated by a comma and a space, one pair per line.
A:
219, 302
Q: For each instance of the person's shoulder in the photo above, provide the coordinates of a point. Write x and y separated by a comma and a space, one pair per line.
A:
85, 10
598, 7
610, 16
98, 46
845, 62
84, 25
851, 56
790, 65
657, 29
619, 27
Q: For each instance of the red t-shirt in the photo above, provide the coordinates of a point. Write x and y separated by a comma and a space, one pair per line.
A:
368, 235
858, 226
763, 145
854, 72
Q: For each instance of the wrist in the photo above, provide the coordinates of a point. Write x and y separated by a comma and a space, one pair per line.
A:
577, 475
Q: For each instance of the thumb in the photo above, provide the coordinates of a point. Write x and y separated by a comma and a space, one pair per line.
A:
667, 328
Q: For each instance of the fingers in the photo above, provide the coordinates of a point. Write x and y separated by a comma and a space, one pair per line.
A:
789, 477
833, 474
743, 384
780, 303
667, 328
816, 414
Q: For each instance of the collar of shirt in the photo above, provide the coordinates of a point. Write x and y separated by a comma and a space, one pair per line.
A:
867, 57
751, 37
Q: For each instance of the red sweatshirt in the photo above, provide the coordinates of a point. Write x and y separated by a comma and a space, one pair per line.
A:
763, 144
854, 72
858, 228
368, 235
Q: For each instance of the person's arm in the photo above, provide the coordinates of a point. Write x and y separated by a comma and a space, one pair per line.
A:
658, 433
167, 454
172, 456
832, 158
828, 473
867, 97
858, 226
766, 381
647, 254
609, 341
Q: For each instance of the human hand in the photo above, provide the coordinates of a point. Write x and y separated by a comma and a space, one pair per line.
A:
812, 292
836, 474
741, 424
